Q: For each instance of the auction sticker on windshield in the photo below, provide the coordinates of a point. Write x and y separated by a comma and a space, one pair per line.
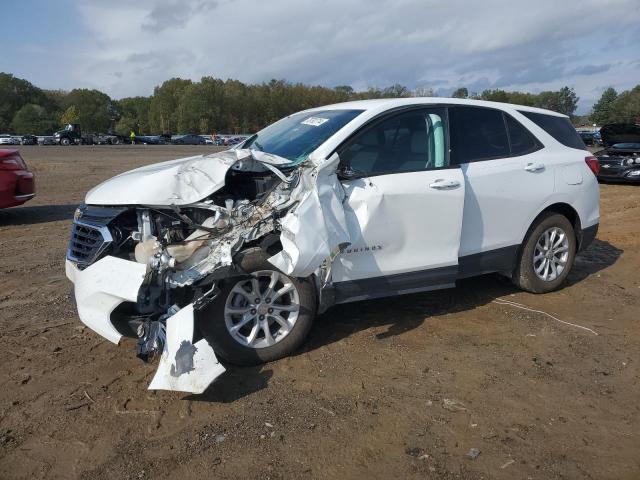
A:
314, 121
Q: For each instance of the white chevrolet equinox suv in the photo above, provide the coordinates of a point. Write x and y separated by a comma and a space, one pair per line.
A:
232, 254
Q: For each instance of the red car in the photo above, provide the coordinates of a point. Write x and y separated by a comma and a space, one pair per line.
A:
17, 183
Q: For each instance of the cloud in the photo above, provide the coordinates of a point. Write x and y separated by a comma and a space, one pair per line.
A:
172, 14
427, 43
590, 69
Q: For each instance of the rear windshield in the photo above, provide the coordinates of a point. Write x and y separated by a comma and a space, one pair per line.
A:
559, 128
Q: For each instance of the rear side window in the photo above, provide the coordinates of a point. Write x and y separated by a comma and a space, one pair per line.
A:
477, 134
521, 140
559, 128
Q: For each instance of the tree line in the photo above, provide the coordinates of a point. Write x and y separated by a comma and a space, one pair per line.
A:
230, 106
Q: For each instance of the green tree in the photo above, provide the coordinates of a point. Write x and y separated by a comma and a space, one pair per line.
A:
15, 93
568, 101
626, 108
495, 95
344, 91
564, 100
214, 105
94, 109
125, 125
603, 108
461, 92
33, 119
396, 91
521, 98
165, 108
70, 115
134, 112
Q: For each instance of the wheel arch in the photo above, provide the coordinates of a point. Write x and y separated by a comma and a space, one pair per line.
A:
563, 209
271, 244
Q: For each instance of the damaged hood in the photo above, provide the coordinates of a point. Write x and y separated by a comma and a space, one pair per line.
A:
178, 182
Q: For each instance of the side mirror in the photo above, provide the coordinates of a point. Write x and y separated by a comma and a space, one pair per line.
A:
348, 173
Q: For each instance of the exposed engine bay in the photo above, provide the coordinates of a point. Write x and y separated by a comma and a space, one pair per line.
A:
188, 249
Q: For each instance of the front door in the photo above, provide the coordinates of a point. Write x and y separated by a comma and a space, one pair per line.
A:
404, 208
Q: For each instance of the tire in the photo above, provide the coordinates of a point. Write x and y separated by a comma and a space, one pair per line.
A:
215, 320
115, 141
65, 141
560, 258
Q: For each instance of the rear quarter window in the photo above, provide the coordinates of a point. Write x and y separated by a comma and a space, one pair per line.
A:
521, 140
559, 128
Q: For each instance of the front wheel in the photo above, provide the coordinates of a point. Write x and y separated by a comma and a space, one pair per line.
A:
261, 318
547, 255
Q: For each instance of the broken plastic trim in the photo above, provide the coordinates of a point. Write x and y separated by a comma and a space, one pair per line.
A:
185, 366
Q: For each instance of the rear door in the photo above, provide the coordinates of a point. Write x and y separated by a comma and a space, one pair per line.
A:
507, 180
404, 207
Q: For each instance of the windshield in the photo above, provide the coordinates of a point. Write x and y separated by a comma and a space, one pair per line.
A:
296, 136
627, 146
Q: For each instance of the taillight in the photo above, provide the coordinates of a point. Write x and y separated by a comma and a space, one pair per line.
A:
593, 164
12, 162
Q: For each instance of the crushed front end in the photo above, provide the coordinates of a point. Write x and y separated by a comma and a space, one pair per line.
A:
146, 271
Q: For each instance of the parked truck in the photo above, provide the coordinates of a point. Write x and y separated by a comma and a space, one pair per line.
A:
71, 134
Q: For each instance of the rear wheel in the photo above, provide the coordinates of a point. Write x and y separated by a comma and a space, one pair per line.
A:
262, 318
547, 255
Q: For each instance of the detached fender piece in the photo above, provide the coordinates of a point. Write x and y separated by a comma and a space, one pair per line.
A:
101, 287
185, 366
316, 226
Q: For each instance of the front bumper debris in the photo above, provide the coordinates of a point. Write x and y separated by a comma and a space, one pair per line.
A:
101, 287
184, 366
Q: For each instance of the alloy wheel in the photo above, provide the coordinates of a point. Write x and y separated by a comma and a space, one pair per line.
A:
261, 311
551, 254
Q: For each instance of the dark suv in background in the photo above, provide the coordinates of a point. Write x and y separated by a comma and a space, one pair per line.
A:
620, 159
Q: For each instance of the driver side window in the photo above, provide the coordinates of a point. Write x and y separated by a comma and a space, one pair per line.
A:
408, 142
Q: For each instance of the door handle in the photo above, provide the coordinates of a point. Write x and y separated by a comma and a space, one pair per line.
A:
442, 184
534, 167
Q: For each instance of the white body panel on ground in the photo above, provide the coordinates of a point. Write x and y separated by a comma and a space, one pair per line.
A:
185, 366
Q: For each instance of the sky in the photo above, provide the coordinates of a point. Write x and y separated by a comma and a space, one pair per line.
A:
126, 48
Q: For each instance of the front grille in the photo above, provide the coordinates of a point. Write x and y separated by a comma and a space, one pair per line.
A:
609, 169
98, 216
90, 234
88, 242
610, 166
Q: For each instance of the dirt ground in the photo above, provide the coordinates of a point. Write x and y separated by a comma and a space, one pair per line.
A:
393, 388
